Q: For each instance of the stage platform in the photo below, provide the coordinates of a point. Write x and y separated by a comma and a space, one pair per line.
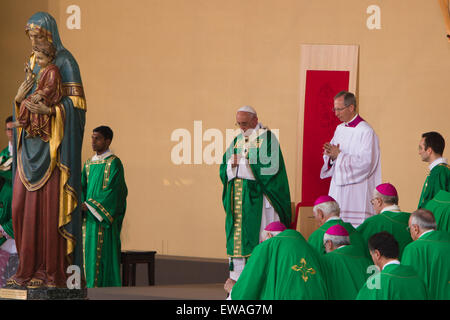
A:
212, 291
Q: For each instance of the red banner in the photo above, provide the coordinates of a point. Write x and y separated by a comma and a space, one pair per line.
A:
319, 125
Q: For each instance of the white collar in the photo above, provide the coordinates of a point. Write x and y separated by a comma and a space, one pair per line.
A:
425, 233
351, 120
10, 147
393, 208
333, 218
342, 246
395, 261
102, 156
436, 162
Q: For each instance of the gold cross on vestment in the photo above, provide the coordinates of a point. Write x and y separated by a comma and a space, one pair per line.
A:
304, 269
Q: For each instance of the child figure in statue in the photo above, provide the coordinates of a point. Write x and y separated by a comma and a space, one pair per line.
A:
49, 91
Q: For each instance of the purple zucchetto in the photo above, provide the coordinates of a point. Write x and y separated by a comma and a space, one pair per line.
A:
387, 189
337, 230
275, 226
323, 199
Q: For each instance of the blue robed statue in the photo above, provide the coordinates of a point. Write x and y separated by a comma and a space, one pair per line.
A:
46, 202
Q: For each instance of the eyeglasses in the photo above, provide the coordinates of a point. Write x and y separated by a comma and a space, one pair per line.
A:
340, 109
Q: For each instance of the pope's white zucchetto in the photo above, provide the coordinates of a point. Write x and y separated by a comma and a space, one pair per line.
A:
247, 109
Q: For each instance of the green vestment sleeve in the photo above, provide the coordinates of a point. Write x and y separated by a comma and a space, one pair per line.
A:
440, 206
430, 257
438, 179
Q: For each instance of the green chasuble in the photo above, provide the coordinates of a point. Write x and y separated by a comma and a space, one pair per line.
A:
430, 257
394, 282
440, 206
396, 223
346, 272
5, 194
243, 198
284, 267
438, 179
104, 189
316, 238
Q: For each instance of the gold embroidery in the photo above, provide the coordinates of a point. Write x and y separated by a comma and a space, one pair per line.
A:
304, 269
102, 209
99, 253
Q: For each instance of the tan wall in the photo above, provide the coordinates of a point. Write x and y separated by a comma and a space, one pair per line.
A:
150, 67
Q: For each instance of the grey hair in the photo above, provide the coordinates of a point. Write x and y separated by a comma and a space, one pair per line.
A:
273, 233
329, 208
349, 98
386, 199
336, 240
424, 219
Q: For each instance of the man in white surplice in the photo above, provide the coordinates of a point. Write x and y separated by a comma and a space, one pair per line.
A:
352, 159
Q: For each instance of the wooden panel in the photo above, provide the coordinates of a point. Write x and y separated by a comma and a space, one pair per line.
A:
322, 57
306, 223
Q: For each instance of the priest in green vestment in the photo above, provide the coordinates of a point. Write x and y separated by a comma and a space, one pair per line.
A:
283, 267
326, 212
395, 281
431, 149
388, 217
255, 188
345, 265
440, 206
429, 254
104, 196
9, 259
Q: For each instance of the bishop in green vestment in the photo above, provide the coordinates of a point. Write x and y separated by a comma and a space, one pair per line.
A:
440, 206
255, 188
345, 265
284, 267
388, 217
104, 196
394, 281
326, 212
429, 254
431, 148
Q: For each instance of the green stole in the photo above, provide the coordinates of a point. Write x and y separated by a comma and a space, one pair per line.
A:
243, 199
346, 271
284, 267
440, 206
430, 257
396, 223
316, 238
105, 190
5, 194
394, 282
438, 179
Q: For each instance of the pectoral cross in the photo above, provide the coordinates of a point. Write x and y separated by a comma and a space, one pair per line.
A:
304, 269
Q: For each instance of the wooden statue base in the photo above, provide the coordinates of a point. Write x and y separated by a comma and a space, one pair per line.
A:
43, 294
